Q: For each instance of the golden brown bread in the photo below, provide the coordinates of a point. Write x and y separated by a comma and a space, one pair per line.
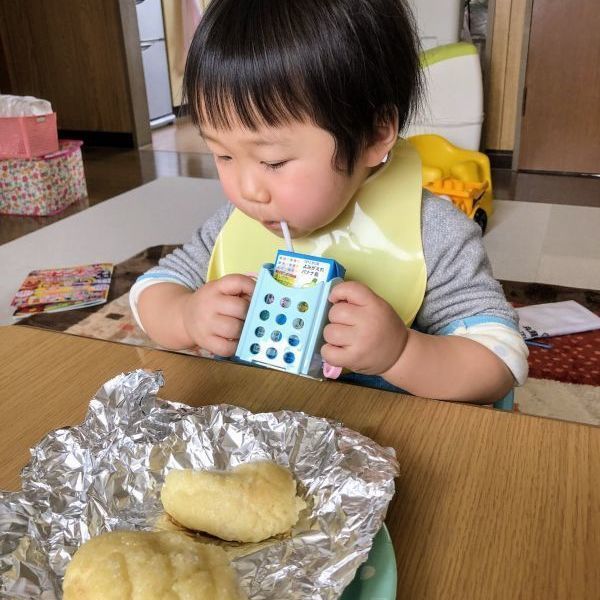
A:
249, 503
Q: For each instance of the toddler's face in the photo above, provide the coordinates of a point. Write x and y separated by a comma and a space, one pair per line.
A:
283, 174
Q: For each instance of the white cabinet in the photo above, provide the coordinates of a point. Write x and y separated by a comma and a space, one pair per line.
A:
439, 21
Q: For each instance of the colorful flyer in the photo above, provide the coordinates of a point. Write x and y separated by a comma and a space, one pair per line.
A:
53, 290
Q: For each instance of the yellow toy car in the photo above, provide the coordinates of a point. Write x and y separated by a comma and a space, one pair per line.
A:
464, 176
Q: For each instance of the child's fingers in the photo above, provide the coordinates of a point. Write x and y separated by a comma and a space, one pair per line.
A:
344, 313
236, 285
352, 292
220, 346
338, 335
229, 328
233, 306
333, 355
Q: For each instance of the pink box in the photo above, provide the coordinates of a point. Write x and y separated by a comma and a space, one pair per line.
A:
43, 186
27, 137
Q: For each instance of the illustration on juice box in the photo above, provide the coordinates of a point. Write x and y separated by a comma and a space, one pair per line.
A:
297, 270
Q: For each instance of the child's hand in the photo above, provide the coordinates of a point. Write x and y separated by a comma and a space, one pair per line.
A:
213, 316
364, 333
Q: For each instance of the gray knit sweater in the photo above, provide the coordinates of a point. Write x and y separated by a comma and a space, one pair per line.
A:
460, 284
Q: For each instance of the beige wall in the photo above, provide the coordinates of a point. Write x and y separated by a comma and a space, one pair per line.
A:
504, 58
174, 12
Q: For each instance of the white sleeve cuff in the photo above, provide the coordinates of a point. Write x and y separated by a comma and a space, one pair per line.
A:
506, 343
138, 287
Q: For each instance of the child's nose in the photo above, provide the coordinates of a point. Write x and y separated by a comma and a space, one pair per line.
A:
253, 191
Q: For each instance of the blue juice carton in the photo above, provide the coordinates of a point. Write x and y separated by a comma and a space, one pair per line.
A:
288, 311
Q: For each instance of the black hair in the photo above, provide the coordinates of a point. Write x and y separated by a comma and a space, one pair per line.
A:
344, 65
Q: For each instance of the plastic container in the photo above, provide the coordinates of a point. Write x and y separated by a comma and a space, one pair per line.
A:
28, 137
453, 103
284, 326
43, 186
438, 22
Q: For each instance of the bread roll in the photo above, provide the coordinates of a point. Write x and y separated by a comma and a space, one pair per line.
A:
249, 503
143, 565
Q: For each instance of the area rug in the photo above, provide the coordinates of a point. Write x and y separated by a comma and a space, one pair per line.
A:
564, 379
565, 401
572, 358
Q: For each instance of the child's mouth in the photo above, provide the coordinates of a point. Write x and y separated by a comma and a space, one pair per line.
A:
273, 225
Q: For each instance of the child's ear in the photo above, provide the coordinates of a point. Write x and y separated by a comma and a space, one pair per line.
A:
384, 138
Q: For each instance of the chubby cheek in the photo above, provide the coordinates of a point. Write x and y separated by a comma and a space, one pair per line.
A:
229, 186
308, 203
318, 213
300, 209
317, 210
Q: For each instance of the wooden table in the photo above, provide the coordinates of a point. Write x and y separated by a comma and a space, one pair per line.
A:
489, 504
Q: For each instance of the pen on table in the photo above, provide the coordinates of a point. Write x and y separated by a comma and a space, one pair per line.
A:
539, 344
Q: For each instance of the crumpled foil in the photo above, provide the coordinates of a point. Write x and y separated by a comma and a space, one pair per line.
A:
106, 474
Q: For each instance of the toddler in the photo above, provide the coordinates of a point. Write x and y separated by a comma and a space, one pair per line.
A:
301, 103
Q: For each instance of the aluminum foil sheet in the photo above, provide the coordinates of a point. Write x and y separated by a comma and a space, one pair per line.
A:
106, 474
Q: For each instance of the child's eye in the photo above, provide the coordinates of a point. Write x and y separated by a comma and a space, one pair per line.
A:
224, 158
276, 165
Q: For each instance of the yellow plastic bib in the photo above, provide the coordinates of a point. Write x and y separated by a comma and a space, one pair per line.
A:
377, 237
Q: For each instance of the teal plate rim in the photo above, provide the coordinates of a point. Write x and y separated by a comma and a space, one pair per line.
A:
377, 578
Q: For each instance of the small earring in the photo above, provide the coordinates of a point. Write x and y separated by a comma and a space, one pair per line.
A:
384, 159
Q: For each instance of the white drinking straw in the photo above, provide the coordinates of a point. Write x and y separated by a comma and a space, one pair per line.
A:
287, 236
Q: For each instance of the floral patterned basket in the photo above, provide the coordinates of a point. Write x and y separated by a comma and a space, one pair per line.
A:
43, 186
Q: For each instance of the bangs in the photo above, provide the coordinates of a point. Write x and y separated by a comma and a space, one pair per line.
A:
234, 76
342, 65
223, 100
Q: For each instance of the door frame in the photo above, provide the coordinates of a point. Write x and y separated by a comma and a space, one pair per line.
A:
521, 84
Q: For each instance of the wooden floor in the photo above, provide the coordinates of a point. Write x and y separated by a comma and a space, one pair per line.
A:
179, 151
546, 187
110, 172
